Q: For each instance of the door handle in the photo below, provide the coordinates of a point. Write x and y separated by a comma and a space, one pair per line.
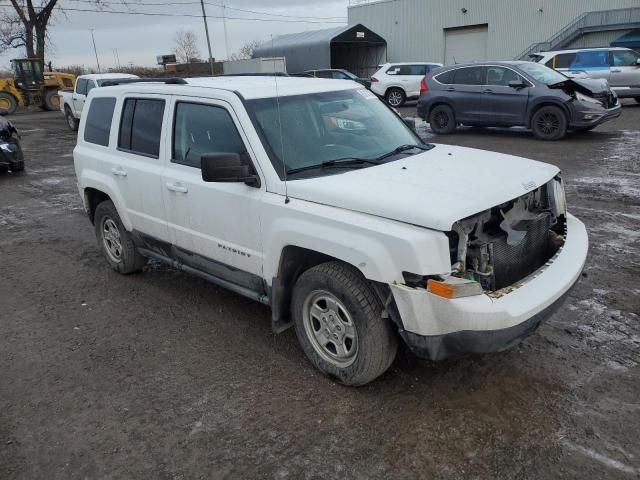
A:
451, 89
488, 90
119, 171
177, 187
616, 70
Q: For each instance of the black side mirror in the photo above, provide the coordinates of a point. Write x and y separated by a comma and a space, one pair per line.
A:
4, 112
410, 122
517, 84
227, 167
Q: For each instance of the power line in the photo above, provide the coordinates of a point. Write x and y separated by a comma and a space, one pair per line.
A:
157, 14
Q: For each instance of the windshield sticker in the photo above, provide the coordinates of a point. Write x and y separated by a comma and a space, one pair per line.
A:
366, 94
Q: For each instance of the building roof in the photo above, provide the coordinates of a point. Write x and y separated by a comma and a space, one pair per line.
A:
629, 40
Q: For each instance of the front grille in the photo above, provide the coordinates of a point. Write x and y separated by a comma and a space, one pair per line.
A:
512, 263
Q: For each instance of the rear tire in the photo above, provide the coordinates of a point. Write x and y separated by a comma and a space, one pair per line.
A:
72, 122
549, 123
395, 97
51, 100
8, 102
114, 240
338, 322
442, 120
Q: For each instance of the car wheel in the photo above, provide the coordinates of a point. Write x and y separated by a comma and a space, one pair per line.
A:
549, 123
339, 324
8, 102
442, 120
51, 100
114, 240
395, 97
71, 120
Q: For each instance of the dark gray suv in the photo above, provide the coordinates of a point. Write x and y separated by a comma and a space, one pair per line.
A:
509, 94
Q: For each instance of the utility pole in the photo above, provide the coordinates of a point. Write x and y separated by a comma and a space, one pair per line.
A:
95, 50
206, 30
115, 51
224, 23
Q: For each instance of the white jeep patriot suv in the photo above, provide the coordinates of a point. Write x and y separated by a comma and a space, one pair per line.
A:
314, 197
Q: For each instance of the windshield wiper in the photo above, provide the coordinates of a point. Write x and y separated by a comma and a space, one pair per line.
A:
347, 162
402, 149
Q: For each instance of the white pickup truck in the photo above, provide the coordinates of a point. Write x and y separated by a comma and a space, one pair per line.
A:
72, 101
314, 197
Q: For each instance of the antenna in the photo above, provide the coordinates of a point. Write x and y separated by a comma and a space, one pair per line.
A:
284, 162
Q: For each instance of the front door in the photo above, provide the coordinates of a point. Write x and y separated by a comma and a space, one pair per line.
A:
504, 104
625, 71
216, 226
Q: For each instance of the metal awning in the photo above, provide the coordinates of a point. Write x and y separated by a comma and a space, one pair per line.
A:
628, 40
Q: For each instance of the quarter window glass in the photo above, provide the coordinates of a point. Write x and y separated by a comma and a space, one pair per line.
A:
499, 76
445, 78
393, 70
141, 126
98, 125
81, 86
202, 129
469, 76
624, 58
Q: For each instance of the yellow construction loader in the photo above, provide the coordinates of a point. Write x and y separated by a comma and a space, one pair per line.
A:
31, 85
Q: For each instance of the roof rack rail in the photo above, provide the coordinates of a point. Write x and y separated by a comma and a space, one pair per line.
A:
167, 80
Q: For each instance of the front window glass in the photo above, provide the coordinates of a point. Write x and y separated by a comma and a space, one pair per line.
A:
328, 126
624, 58
500, 76
542, 74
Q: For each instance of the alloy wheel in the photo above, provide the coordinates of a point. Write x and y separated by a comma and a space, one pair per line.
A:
111, 239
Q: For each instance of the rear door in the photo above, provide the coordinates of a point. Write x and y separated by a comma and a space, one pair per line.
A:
593, 63
625, 71
506, 105
138, 163
466, 94
411, 76
219, 222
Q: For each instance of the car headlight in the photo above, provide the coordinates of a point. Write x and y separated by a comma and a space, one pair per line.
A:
558, 201
7, 147
584, 98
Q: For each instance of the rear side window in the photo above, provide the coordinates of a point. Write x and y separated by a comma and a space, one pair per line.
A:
141, 126
98, 124
591, 60
202, 129
562, 60
470, 76
412, 70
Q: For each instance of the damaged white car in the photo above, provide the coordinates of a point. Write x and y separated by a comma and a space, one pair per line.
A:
315, 198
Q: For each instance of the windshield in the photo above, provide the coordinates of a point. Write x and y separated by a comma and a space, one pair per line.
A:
327, 126
542, 73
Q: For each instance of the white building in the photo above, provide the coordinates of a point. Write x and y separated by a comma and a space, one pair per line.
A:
456, 31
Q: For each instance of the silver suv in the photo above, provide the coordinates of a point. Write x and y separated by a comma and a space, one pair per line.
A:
619, 66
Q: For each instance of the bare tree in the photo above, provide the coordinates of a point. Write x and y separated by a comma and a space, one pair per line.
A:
186, 46
246, 51
27, 26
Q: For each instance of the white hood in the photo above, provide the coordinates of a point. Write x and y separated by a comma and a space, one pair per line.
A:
433, 189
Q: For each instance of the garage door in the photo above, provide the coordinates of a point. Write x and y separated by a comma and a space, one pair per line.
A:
462, 45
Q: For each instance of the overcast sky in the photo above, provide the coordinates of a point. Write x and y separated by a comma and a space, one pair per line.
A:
139, 38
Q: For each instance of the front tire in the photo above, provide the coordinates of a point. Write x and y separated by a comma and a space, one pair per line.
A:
51, 100
338, 322
72, 122
395, 97
114, 240
8, 102
442, 120
549, 123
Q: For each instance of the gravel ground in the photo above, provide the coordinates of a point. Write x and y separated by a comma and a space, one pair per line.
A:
161, 375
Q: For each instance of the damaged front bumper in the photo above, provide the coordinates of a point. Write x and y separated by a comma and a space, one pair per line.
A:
439, 328
587, 115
